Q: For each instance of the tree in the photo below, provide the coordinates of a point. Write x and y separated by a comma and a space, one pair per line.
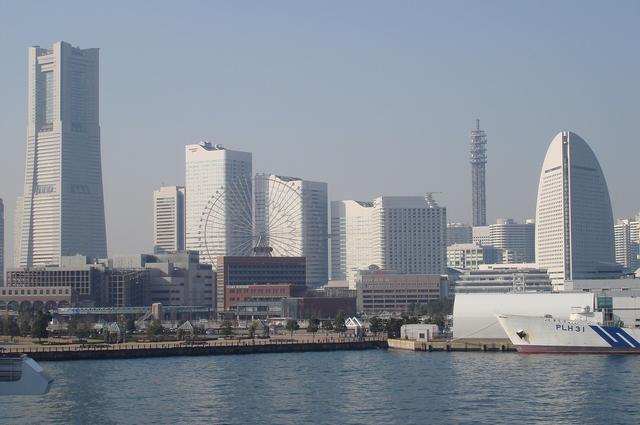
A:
338, 324
40, 323
226, 329
392, 327
376, 325
292, 326
72, 326
11, 328
154, 329
24, 326
130, 325
252, 329
327, 325
313, 326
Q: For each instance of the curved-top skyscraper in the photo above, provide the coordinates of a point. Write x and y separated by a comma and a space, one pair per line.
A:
574, 221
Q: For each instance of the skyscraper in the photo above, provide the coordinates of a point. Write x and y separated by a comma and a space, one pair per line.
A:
627, 237
406, 234
351, 242
459, 233
409, 234
217, 180
514, 242
574, 222
168, 219
63, 204
1, 243
295, 212
478, 159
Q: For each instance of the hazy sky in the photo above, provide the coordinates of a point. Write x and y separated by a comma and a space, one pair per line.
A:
371, 97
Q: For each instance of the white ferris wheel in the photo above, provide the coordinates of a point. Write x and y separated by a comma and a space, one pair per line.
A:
262, 217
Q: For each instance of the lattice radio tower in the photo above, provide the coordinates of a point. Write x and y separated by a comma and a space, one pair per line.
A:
478, 184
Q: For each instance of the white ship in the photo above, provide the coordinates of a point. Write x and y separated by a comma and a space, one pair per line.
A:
21, 375
585, 331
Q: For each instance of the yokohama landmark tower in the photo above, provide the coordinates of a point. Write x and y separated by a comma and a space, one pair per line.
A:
478, 185
62, 206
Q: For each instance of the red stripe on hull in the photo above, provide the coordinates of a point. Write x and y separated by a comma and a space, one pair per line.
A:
552, 349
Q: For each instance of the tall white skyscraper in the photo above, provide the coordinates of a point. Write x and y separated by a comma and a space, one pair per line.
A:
1, 243
406, 234
63, 203
215, 175
627, 237
574, 222
17, 230
294, 213
410, 234
351, 239
168, 219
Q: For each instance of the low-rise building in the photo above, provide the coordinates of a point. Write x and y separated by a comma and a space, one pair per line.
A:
501, 278
40, 297
240, 293
419, 331
235, 271
319, 307
382, 291
87, 280
469, 256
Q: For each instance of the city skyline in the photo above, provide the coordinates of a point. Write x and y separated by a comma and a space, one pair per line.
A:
315, 151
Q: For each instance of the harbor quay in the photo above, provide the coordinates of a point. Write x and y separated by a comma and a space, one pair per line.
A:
199, 348
455, 345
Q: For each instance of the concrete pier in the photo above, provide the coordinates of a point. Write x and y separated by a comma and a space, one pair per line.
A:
488, 345
138, 350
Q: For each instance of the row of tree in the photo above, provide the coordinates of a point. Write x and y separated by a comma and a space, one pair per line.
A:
23, 325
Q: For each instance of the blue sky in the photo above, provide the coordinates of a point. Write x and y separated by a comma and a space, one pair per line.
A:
372, 97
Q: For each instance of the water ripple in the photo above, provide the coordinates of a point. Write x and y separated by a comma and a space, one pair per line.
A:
357, 387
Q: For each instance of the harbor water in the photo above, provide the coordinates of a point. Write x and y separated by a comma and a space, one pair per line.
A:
346, 387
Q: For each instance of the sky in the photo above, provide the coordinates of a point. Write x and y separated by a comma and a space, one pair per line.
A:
371, 97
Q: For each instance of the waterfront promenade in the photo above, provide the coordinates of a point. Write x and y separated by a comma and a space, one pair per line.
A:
52, 352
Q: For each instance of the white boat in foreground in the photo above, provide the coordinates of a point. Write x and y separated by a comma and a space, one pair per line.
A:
21, 375
584, 332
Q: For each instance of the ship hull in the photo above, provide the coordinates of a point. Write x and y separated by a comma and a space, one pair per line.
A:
541, 335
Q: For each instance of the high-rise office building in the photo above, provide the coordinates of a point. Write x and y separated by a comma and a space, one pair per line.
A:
459, 233
1, 243
406, 234
291, 214
351, 242
515, 242
627, 237
63, 204
574, 222
478, 159
218, 185
17, 230
168, 219
410, 234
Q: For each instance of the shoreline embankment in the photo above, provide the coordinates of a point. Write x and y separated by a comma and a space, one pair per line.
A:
141, 350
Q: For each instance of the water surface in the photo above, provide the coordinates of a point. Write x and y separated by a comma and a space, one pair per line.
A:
346, 387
